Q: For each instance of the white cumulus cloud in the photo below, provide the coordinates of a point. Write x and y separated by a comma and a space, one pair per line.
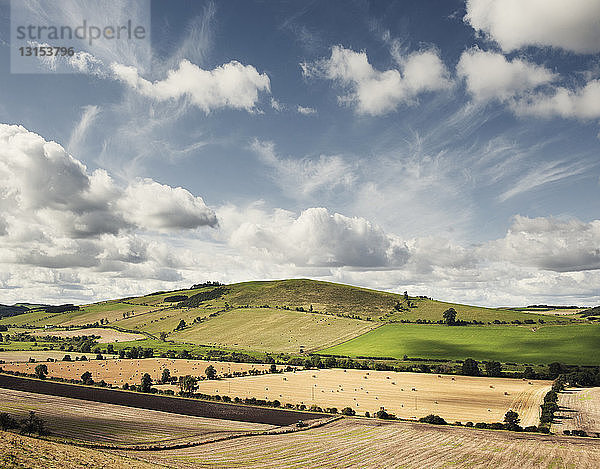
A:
232, 85
571, 25
489, 75
375, 92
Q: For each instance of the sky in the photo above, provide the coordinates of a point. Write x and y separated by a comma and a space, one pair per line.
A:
446, 148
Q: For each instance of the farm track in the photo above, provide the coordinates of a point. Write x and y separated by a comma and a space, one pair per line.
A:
193, 407
360, 443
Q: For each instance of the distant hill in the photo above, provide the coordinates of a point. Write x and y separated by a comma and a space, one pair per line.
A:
7, 311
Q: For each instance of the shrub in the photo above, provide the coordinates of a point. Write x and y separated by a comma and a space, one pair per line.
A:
348, 411
434, 419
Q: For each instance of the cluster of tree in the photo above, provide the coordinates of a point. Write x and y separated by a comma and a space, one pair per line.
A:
60, 308
175, 298
550, 405
30, 424
196, 300
136, 352
206, 284
126, 314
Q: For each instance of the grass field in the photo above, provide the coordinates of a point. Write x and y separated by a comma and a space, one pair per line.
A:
273, 330
408, 395
119, 372
580, 410
566, 344
352, 443
94, 422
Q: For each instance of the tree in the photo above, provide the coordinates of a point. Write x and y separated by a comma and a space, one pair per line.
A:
0, 337
555, 369
163, 335
512, 420
181, 325
110, 349
210, 372
273, 368
166, 376
493, 368
348, 411
32, 424
87, 378
67, 358
146, 383
188, 384
434, 419
6, 421
41, 371
450, 316
470, 367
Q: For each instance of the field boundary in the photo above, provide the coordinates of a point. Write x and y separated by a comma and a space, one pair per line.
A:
175, 405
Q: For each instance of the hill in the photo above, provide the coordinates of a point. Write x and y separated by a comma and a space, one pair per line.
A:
268, 316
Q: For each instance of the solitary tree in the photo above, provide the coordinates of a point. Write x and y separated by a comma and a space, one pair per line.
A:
41, 371
163, 335
470, 367
146, 383
32, 424
210, 372
450, 316
188, 384
166, 376
181, 325
511, 419
87, 378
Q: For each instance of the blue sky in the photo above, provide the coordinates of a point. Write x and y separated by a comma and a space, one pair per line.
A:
447, 148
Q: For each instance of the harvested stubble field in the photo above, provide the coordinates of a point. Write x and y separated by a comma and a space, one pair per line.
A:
364, 443
18, 451
581, 410
39, 356
408, 395
109, 424
121, 371
106, 335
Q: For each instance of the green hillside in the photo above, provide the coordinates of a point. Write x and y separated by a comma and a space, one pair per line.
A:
289, 315
567, 344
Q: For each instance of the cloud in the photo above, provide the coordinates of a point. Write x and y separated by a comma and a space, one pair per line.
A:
490, 76
313, 238
582, 103
374, 92
570, 25
303, 177
155, 206
306, 111
88, 117
544, 173
231, 85
51, 195
549, 244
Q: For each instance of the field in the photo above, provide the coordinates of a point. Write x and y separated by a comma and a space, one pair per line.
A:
408, 395
566, 344
273, 330
38, 356
115, 425
119, 372
18, 451
354, 443
106, 335
581, 410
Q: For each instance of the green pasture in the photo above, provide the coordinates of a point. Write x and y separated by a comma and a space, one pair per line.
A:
571, 344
